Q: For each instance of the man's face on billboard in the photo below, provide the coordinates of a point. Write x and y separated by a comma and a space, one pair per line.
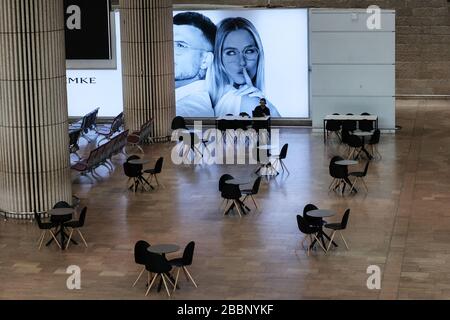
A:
190, 48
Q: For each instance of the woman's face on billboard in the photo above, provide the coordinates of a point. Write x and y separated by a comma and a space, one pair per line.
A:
239, 52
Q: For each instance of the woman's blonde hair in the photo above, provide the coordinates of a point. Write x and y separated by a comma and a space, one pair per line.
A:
218, 76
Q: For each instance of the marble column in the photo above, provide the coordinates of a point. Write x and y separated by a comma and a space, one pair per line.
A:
148, 68
34, 155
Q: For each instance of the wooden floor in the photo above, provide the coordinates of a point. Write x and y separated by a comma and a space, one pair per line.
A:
402, 225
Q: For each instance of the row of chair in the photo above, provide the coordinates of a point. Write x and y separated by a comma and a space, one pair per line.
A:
335, 126
101, 155
141, 136
85, 124
107, 132
158, 264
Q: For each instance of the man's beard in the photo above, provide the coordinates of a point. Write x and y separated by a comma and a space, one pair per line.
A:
185, 76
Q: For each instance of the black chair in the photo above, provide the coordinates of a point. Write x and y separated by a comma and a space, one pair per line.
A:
155, 171
76, 225
373, 143
365, 125
281, 157
360, 175
178, 123
339, 174
310, 231
349, 125
62, 204
251, 192
45, 226
232, 193
159, 265
141, 257
223, 178
184, 262
333, 126
313, 221
345, 134
133, 171
339, 227
356, 144
74, 136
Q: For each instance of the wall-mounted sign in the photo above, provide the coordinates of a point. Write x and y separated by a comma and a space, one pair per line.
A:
87, 29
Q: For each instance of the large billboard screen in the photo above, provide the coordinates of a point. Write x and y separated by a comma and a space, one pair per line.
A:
87, 29
227, 60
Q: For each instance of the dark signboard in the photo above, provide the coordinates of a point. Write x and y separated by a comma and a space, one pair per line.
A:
87, 29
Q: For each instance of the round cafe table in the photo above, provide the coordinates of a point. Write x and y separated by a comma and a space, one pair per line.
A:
163, 248
139, 161
346, 162
240, 181
321, 213
60, 216
267, 147
363, 133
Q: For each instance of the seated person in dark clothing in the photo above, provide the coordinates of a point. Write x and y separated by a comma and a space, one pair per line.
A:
262, 110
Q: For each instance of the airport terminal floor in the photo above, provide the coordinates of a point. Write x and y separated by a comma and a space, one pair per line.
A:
401, 225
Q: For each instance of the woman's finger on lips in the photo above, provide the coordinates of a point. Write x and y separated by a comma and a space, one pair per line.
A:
248, 81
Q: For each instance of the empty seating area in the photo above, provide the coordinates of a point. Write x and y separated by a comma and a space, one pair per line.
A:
241, 254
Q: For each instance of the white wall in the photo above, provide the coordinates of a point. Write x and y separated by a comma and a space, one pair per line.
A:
352, 67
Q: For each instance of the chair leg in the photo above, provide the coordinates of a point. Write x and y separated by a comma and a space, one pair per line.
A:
284, 166
332, 183
227, 208
320, 243
354, 184
42, 239
151, 284
343, 239
309, 246
365, 186
254, 202
331, 241
165, 284
81, 235
237, 208
140, 274
176, 280
168, 279
70, 237
54, 238
190, 277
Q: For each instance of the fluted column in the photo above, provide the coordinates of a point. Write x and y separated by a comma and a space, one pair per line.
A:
148, 67
34, 156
